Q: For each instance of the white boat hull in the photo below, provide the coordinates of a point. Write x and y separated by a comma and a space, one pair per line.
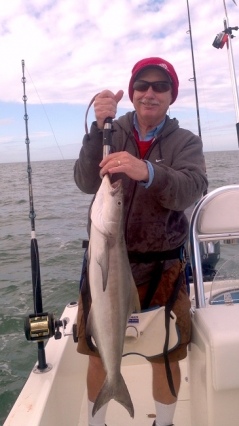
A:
209, 393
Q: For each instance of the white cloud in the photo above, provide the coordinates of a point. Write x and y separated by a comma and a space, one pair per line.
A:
5, 121
76, 44
74, 49
40, 135
6, 139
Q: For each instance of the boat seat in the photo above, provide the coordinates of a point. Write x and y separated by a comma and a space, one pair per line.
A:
216, 217
220, 214
220, 327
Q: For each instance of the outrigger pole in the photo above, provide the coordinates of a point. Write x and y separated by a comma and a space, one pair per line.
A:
228, 30
38, 326
224, 37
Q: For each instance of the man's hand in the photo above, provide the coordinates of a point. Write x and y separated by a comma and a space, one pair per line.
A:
123, 162
106, 106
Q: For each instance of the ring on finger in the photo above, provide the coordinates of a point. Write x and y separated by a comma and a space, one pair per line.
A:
119, 162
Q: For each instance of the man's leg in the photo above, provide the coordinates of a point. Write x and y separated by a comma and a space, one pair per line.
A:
161, 390
165, 402
95, 379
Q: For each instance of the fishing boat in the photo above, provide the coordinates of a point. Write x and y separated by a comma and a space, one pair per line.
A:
209, 392
55, 393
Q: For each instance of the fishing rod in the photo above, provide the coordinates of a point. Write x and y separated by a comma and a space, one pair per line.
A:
36, 276
194, 79
107, 136
38, 326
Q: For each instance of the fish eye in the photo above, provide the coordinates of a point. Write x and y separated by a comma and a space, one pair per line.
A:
119, 203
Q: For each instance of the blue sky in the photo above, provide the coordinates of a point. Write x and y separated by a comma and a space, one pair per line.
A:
75, 49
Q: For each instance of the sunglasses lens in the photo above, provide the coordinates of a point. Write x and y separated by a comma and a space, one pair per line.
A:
161, 86
157, 86
141, 85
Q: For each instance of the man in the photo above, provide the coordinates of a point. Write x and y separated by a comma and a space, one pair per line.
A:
163, 173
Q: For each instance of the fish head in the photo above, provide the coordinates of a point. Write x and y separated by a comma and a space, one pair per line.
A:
107, 208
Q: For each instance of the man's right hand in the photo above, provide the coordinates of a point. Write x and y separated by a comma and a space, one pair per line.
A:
105, 105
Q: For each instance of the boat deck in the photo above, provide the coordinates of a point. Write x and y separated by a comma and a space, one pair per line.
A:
138, 380
59, 397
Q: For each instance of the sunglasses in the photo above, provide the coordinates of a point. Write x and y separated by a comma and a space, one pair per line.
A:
157, 86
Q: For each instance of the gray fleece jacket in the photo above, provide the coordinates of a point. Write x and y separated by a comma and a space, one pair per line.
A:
154, 217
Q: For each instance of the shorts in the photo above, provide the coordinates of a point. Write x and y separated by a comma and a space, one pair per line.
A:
162, 294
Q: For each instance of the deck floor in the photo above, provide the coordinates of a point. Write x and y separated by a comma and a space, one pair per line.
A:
138, 380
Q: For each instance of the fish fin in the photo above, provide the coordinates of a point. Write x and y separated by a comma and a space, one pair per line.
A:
118, 391
103, 261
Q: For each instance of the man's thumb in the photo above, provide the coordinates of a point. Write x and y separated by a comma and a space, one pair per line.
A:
119, 95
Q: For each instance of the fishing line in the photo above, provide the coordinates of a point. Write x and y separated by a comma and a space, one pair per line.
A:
45, 114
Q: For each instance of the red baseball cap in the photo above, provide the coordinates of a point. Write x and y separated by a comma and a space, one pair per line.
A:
155, 62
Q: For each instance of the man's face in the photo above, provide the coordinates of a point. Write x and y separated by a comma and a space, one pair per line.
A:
151, 106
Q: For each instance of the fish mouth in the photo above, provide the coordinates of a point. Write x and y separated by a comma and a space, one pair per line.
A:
117, 184
115, 187
117, 191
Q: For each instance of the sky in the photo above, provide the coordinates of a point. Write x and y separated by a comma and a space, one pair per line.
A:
76, 48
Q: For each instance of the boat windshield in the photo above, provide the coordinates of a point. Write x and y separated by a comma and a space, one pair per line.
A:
225, 285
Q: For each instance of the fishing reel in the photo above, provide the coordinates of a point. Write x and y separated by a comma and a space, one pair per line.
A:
223, 36
43, 326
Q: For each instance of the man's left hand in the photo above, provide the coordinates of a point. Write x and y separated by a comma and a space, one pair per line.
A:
123, 162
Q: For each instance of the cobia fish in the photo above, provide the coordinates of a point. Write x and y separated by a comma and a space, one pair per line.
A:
113, 291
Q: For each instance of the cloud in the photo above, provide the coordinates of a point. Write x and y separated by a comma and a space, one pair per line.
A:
74, 49
6, 139
5, 121
40, 135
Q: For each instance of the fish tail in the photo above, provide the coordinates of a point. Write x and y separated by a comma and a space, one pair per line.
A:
117, 391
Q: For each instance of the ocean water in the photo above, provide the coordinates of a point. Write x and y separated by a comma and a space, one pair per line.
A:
61, 216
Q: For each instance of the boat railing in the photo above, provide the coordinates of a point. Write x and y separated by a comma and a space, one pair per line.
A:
215, 217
